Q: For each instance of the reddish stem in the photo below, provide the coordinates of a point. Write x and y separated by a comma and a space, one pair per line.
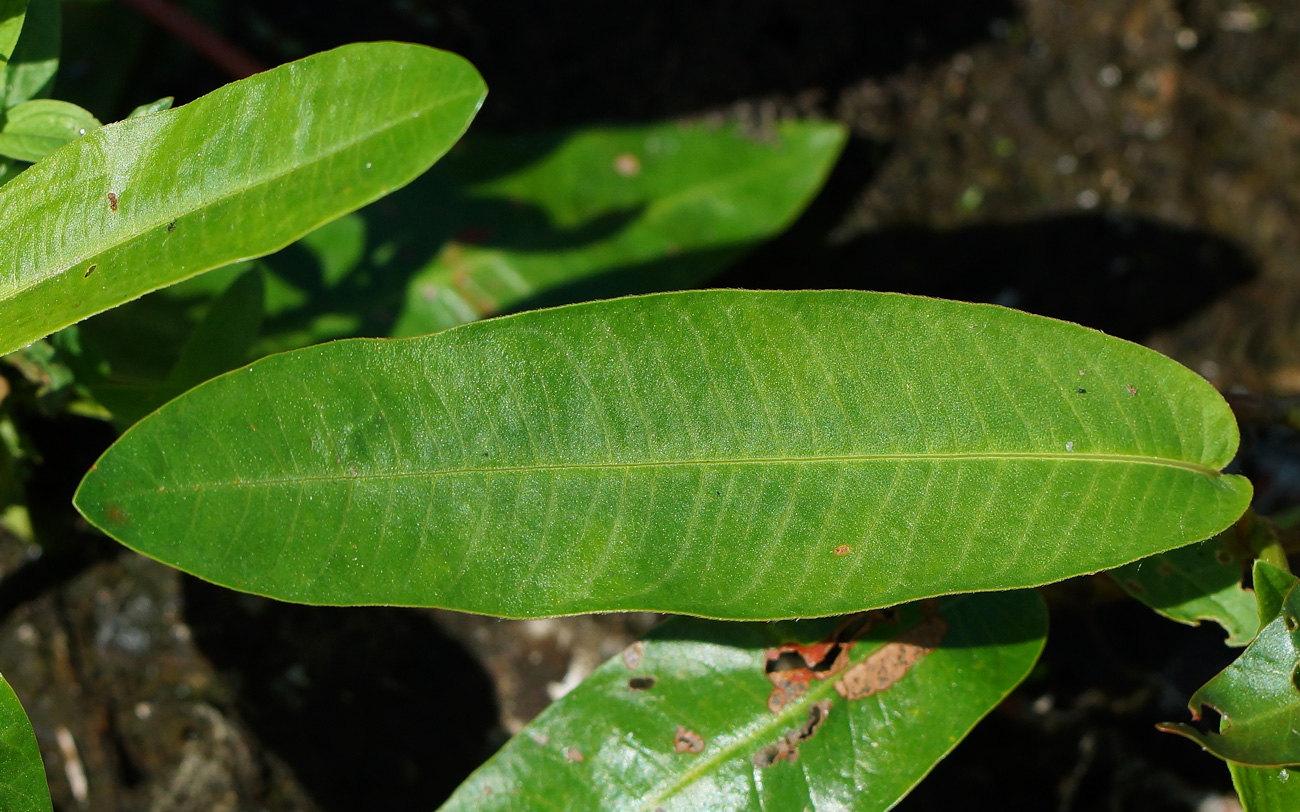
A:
207, 43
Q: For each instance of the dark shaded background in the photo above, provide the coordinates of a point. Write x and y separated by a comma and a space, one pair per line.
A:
1128, 164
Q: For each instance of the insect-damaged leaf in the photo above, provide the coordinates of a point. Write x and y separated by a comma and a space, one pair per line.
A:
722, 453
705, 733
1198, 582
1258, 696
241, 172
22, 774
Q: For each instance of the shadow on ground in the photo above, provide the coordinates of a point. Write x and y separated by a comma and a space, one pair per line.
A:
372, 708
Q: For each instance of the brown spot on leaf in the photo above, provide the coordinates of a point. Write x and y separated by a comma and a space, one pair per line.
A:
171, 226
116, 515
843, 549
890, 662
1132, 390
574, 754
540, 738
632, 655
627, 165
791, 667
640, 683
687, 741
787, 749
112, 201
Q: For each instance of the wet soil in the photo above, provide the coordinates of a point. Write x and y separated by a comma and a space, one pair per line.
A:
1133, 165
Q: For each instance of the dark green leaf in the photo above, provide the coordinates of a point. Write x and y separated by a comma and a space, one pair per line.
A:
1194, 583
1271, 588
692, 718
219, 343
1266, 789
606, 212
36, 128
1257, 697
35, 58
22, 775
721, 453
149, 201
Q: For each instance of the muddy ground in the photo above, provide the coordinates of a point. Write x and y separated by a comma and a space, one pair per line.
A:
1133, 165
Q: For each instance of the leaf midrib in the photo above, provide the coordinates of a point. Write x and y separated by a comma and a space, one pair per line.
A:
1128, 459
234, 192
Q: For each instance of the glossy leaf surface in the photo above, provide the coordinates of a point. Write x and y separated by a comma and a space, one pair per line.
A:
708, 715
1198, 582
152, 200
1258, 696
721, 453
1266, 789
606, 212
22, 774
34, 129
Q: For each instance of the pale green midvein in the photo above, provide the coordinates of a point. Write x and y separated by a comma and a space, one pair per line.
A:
1126, 459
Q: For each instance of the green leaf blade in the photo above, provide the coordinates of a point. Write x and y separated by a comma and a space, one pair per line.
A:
1198, 582
152, 200
1258, 695
608, 211
22, 773
34, 129
687, 718
722, 453
1266, 789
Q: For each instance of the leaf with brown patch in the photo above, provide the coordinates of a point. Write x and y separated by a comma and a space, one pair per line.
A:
787, 749
887, 665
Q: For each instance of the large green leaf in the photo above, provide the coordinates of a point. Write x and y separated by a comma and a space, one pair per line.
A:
241, 172
604, 212
722, 453
22, 774
1258, 696
514, 222
1198, 582
1266, 789
830, 714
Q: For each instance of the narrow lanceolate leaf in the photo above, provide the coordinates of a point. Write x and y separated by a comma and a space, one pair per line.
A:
35, 56
241, 172
722, 453
602, 212
22, 775
1266, 789
12, 13
839, 713
1201, 581
1258, 696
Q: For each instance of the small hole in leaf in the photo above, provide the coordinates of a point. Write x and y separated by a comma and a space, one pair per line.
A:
1292, 622
1210, 720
